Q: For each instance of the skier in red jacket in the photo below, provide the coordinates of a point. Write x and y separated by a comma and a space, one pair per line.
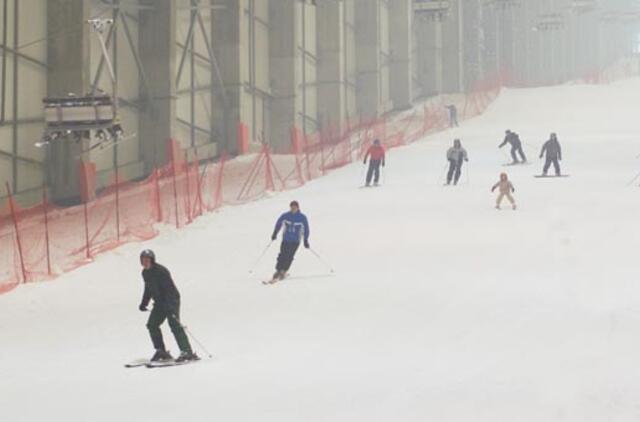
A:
378, 155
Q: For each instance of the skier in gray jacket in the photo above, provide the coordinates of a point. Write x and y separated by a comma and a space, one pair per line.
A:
456, 156
553, 154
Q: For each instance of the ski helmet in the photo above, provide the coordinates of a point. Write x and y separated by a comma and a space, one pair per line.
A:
148, 253
376, 142
294, 204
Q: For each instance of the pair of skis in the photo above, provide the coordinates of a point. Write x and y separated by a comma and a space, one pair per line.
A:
138, 363
275, 280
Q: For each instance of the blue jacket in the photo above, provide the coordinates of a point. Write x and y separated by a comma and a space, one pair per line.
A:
296, 227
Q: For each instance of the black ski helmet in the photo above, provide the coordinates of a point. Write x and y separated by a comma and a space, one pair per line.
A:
148, 253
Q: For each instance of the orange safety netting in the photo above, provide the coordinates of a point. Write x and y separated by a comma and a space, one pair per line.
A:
44, 241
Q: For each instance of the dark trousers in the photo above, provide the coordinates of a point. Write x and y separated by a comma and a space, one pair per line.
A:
517, 150
374, 171
287, 253
455, 169
453, 120
547, 164
157, 318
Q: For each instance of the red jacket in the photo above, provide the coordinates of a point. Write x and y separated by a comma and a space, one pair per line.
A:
376, 152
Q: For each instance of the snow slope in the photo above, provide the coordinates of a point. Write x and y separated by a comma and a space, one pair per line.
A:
442, 309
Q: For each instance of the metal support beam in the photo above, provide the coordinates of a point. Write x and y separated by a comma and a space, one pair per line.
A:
14, 126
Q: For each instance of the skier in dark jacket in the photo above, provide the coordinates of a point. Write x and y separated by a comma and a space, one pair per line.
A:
553, 154
456, 156
159, 286
516, 146
296, 229
378, 158
453, 115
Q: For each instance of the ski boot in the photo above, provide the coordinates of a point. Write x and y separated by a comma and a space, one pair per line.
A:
161, 356
187, 357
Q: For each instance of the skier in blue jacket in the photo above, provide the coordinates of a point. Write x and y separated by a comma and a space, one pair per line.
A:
296, 229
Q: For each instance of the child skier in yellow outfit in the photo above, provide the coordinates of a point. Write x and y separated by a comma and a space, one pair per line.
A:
505, 187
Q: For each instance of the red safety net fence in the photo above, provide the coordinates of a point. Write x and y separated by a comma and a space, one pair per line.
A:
44, 241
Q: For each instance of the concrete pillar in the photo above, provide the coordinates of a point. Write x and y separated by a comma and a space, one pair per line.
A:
367, 20
331, 69
401, 35
282, 46
229, 45
472, 43
157, 49
452, 50
68, 72
429, 56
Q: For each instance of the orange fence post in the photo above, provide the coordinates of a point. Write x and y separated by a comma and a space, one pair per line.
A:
18, 239
269, 185
46, 229
306, 153
199, 180
117, 176
243, 138
218, 193
86, 230
87, 193
175, 190
174, 149
188, 203
156, 177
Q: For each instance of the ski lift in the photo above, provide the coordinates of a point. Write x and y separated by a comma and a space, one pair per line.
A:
93, 116
549, 22
435, 10
583, 6
502, 4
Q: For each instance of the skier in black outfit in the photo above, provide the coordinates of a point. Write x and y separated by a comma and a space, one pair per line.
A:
453, 115
456, 156
554, 154
159, 286
516, 146
296, 229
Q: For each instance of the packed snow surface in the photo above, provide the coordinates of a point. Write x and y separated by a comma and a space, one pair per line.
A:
441, 308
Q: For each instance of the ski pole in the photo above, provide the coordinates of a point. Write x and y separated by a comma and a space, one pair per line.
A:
634, 179
190, 334
444, 169
254, 266
362, 173
468, 176
322, 260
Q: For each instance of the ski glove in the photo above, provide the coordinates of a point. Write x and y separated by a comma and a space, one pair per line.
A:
274, 237
306, 244
142, 308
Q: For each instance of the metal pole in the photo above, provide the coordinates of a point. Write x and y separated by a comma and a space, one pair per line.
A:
46, 228
18, 240
192, 94
461, 64
14, 125
114, 83
5, 7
